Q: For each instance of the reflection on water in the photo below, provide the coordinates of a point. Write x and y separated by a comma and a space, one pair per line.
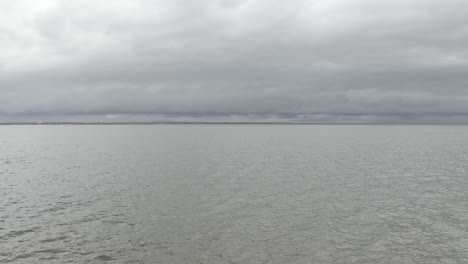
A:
233, 194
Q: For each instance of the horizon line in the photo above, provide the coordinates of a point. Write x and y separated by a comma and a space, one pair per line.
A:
221, 123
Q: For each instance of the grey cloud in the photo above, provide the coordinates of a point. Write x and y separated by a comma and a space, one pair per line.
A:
302, 58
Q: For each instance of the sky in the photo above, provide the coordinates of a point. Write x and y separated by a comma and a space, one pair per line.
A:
403, 61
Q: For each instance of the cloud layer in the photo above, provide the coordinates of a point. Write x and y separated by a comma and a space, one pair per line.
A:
231, 57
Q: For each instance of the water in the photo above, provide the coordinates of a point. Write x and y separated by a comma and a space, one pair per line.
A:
233, 194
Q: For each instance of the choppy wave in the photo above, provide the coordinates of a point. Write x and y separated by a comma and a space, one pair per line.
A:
233, 194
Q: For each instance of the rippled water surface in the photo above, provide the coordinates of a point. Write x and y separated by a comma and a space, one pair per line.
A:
233, 194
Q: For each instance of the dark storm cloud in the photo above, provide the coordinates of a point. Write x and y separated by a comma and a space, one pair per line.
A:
324, 57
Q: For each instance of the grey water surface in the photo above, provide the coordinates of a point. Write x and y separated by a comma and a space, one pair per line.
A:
233, 194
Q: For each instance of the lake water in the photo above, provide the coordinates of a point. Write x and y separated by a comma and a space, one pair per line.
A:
233, 194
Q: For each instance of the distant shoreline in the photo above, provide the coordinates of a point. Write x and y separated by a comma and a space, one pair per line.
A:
214, 123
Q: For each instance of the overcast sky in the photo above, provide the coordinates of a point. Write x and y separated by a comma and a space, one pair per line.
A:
274, 59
